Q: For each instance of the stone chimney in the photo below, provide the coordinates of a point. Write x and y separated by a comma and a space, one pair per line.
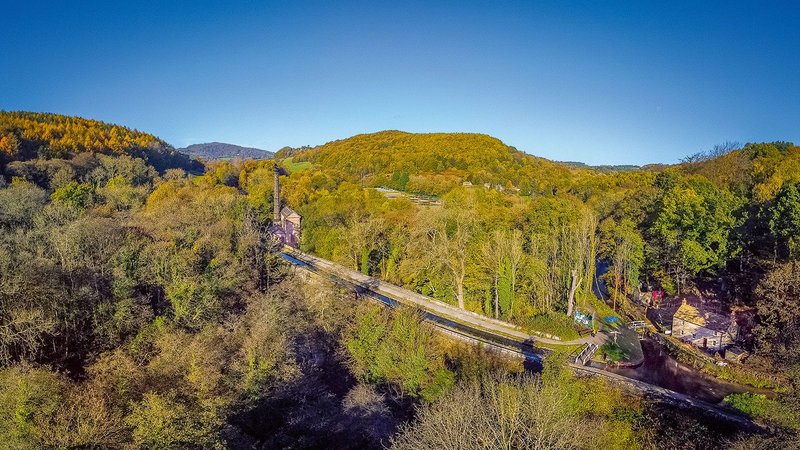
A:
276, 219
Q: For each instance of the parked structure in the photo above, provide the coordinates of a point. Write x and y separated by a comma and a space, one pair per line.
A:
418, 199
290, 223
285, 221
705, 329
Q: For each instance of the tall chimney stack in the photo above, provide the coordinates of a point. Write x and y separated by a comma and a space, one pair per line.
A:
277, 198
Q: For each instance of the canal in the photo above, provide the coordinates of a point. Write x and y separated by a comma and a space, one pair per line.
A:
661, 369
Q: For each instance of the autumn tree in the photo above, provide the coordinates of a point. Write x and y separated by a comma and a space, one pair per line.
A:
563, 246
502, 257
691, 232
778, 307
451, 240
623, 247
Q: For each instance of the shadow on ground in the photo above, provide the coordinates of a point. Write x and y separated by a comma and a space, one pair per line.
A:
323, 408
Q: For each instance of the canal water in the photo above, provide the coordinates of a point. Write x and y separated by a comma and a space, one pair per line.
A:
661, 369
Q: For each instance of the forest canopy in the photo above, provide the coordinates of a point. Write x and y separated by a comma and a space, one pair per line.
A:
25, 136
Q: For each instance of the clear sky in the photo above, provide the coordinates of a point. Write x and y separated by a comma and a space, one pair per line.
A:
600, 82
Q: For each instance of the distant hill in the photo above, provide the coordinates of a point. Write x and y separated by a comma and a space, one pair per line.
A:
213, 151
603, 167
26, 136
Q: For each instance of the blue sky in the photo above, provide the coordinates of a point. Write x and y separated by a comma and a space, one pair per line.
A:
600, 82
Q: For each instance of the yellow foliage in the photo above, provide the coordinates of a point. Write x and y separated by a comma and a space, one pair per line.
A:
766, 191
65, 134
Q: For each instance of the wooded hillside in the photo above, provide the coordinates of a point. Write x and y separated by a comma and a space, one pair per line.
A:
433, 162
25, 136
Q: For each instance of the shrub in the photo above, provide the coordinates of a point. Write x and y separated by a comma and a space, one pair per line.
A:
554, 324
399, 350
758, 406
613, 351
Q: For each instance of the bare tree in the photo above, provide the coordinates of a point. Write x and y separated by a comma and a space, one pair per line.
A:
715, 152
451, 237
563, 258
490, 259
363, 235
516, 257
498, 412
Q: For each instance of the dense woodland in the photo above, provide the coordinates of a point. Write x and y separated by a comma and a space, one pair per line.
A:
142, 304
724, 221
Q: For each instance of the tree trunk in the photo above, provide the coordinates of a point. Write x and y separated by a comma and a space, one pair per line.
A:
365, 261
496, 300
572, 289
513, 293
462, 266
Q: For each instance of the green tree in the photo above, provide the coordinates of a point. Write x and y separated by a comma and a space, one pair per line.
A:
28, 398
692, 233
784, 221
399, 350
77, 195
562, 247
502, 257
447, 242
399, 180
623, 247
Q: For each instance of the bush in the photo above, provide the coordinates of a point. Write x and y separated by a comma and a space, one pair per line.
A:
554, 410
77, 195
754, 405
20, 202
164, 422
399, 350
758, 406
613, 351
554, 324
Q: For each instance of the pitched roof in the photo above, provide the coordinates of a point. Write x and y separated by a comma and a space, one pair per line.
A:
736, 350
706, 319
286, 212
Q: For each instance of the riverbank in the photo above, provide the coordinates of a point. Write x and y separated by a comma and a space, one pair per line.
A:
730, 372
661, 369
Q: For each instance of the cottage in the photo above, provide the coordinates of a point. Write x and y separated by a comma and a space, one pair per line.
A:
290, 223
705, 329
